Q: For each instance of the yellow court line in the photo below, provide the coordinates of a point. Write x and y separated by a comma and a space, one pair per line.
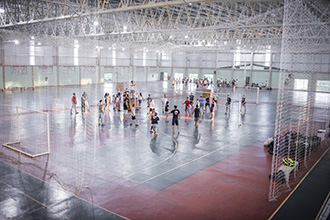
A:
33, 199
322, 207
65, 191
297, 185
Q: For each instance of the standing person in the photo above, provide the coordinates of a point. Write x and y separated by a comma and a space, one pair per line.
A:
148, 103
175, 118
212, 107
154, 124
100, 113
83, 107
187, 104
133, 115
114, 101
152, 105
197, 103
191, 99
118, 102
132, 89
201, 103
86, 102
243, 103
74, 103
207, 101
228, 102
125, 105
197, 113
164, 100
167, 109
107, 102
215, 98
140, 99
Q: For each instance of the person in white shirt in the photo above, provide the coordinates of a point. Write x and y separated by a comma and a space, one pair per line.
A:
133, 115
132, 90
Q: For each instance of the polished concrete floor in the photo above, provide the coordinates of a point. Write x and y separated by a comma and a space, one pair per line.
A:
116, 171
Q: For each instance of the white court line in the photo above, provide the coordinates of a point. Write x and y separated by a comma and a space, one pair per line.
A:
157, 164
180, 165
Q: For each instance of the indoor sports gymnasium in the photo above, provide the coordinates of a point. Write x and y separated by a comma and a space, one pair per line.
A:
164, 109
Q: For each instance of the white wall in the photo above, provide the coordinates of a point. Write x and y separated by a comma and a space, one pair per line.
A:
146, 65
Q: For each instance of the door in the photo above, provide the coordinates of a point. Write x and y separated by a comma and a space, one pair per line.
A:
247, 81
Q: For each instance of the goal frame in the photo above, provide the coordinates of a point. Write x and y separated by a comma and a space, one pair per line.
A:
7, 145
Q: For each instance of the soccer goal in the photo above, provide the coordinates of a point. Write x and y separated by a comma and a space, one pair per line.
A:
29, 132
251, 94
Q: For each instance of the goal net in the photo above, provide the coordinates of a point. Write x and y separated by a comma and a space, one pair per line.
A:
302, 111
32, 132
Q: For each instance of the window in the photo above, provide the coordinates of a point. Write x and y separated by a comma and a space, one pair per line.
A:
178, 76
323, 86
301, 84
32, 53
193, 76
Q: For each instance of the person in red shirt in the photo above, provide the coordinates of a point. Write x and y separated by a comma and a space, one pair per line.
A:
187, 104
74, 103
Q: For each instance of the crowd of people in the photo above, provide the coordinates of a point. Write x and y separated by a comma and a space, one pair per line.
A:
132, 101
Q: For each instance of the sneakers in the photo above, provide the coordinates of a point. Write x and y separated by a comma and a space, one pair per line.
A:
136, 125
130, 124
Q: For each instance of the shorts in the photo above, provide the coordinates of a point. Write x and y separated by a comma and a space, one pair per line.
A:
228, 106
125, 111
132, 91
100, 115
211, 109
207, 104
196, 119
154, 126
133, 117
74, 105
186, 109
175, 121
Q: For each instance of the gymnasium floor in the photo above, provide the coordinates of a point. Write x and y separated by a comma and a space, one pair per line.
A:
218, 171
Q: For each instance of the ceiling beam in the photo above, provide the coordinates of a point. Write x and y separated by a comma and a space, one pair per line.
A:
148, 5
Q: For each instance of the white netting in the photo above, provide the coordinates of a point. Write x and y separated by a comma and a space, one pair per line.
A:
301, 109
30, 135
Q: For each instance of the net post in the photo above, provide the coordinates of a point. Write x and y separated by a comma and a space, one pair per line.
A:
257, 96
48, 135
17, 124
239, 109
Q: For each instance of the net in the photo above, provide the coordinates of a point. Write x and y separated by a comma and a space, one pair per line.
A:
301, 110
32, 136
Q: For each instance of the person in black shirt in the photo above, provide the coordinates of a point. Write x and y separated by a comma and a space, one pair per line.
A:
243, 103
207, 101
167, 109
228, 102
197, 112
154, 124
176, 118
125, 105
191, 99
212, 109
